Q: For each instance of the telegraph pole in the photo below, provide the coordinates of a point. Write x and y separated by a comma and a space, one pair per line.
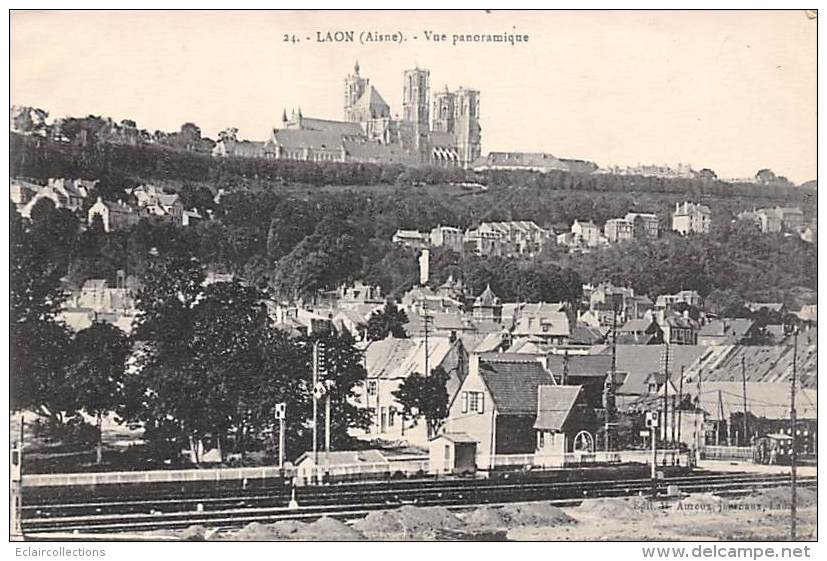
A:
680, 405
744, 386
665, 390
16, 489
316, 362
610, 394
793, 474
327, 417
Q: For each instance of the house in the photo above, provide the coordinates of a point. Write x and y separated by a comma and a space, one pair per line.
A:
97, 301
777, 219
411, 238
585, 233
808, 312
544, 322
565, 424
586, 335
766, 220
238, 148
643, 331
490, 243
114, 215
691, 218
727, 331
688, 297
496, 404
388, 363
521, 237
63, 193
777, 307
618, 230
447, 237
678, 329
606, 299
644, 224
311, 467
488, 307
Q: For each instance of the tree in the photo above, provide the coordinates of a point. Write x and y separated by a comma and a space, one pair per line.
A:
97, 372
390, 320
425, 396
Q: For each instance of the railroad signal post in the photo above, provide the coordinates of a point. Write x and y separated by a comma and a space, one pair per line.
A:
652, 423
280, 414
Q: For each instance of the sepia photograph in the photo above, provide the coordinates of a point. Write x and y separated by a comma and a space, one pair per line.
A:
413, 276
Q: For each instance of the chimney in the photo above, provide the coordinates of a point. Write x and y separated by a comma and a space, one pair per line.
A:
424, 267
473, 364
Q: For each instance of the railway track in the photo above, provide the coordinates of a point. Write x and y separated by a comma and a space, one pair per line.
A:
352, 501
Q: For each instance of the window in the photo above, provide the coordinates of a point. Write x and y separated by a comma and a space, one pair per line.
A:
474, 402
465, 402
372, 387
391, 416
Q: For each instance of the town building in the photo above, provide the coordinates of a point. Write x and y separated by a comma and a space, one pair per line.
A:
98, 301
618, 230
543, 322
153, 201
521, 238
688, 297
114, 215
585, 233
412, 239
388, 363
448, 237
62, 193
488, 307
766, 219
644, 224
691, 218
531, 161
642, 331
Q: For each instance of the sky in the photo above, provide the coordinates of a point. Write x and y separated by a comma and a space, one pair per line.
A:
734, 91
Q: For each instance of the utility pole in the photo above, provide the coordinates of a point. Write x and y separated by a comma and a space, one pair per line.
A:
611, 418
327, 416
16, 489
744, 386
565, 377
721, 417
426, 319
680, 405
793, 458
665, 390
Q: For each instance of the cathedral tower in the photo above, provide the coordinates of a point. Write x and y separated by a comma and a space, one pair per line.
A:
355, 87
443, 113
467, 131
415, 97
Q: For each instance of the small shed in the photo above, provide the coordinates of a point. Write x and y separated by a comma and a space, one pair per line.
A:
321, 465
452, 452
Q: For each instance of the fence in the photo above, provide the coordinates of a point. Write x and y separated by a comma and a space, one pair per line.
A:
741, 453
159, 476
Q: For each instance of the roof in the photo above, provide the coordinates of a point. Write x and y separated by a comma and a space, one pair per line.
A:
371, 98
512, 381
487, 299
336, 127
768, 400
522, 159
554, 405
641, 360
370, 150
583, 334
307, 138
771, 306
637, 325
580, 365
726, 328
762, 363
398, 358
345, 457
457, 437
546, 323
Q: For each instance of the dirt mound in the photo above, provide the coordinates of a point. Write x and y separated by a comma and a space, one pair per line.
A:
780, 497
536, 514
408, 522
326, 528
486, 518
195, 533
256, 531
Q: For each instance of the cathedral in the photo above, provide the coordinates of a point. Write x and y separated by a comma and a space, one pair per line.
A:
439, 130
